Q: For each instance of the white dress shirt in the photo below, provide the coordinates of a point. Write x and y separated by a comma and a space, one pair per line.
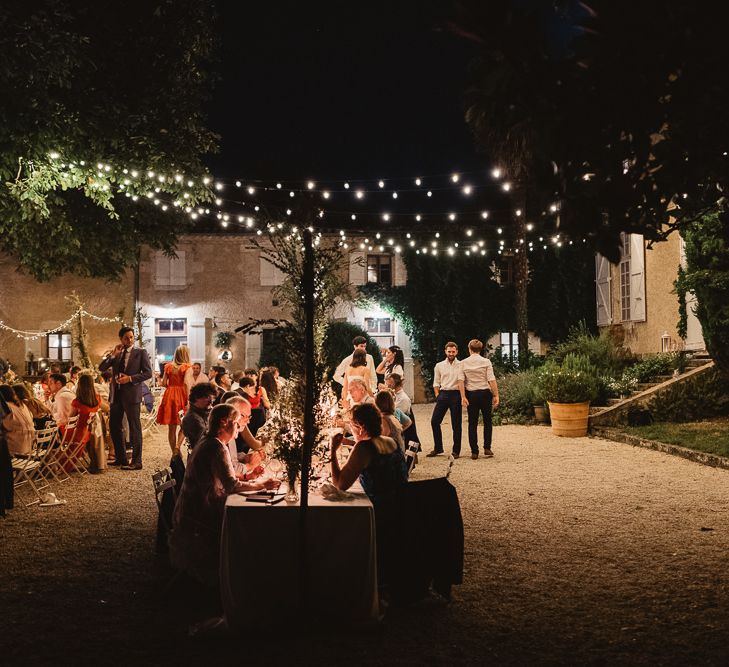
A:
477, 372
61, 407
402, 401
447, 375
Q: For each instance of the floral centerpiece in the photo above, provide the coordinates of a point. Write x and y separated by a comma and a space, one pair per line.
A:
284, 431
568, 389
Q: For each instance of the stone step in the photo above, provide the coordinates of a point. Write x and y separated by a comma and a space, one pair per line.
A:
697, 362
642, 386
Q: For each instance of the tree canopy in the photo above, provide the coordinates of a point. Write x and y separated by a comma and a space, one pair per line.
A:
610, 109
89, 89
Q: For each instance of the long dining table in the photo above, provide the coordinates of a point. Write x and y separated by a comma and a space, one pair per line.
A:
259, 566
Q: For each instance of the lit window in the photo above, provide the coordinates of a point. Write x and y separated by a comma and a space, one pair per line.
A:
510, 346
379, 269
59, 346
378, 325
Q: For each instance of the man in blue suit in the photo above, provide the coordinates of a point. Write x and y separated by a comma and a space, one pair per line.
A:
130, 369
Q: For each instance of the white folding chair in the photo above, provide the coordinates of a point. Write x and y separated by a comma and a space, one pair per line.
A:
411, 454
59, 456
47, 441
29, 470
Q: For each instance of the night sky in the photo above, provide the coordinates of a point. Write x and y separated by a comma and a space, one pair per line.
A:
340, 90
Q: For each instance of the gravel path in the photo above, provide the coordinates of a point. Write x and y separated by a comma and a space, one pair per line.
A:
578, 551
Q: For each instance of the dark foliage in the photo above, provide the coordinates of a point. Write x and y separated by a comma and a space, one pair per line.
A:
699, 398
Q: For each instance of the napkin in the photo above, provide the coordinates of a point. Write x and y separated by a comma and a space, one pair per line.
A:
331, 492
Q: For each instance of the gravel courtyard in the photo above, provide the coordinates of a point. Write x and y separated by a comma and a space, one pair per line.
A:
578, 551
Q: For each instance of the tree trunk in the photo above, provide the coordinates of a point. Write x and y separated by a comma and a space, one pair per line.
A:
521, 280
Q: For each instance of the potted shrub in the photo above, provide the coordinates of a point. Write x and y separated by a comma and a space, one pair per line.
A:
568, 389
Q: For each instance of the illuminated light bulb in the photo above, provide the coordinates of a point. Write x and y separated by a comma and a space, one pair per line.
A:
238, 184
124, 171
256, 208
407, 235
156, 202
345, 246
164, 207
325, 194
553, 208
418, 181
134, 197
107, 167
480, 244
99, 166
398, 249
359, 194
249, 222
251, 190
483, 252
218, 202
451, 216
418, 217
467, 190
434, 251
193, 216
469, 232
178, 178
134, 173
496, 173
394, 195
224, 223
378, 235
149, 195
369, 247
529, 227
292, 194
241, 218
353, 216
390, 241
186, 195
206, 180
521, 241
430, 194
518, 213
288, 211
310, 185
437, 235
455, 178
412, 244
474, 247
200, 211
382, 248
346, 186
53, 155
161, 178
555, 239
226, 217
381, 183
559, 244
259, 232
506, 187
321, 214
499, 230
341, 232
685, 195
127, 181
541, 238
451, 251
278, 186
82, 163
484, 215
190, 184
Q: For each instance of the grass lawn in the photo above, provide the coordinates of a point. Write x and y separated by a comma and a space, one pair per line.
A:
710, 436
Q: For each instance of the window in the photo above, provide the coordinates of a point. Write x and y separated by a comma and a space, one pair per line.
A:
59, 346
505, 272
510, 346
270, 274
378, 325
170, 333
379, 269
625, 277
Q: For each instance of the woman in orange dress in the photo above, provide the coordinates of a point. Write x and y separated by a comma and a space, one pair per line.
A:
177, 380
86, 404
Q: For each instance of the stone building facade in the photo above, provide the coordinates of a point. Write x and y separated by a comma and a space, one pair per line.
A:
636, 300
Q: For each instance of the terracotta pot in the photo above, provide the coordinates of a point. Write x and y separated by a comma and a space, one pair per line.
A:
569, 419
540, 414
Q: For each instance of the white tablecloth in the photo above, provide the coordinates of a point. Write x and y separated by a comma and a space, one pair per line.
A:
259, 568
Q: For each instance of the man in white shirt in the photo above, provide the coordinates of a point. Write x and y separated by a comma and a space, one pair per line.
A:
449, 395
482, 395
198, 377
359, 342
402, 400
61, 398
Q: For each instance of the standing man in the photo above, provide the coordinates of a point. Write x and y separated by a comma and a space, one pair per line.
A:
130, 368
482, 395
359, 342
449, 394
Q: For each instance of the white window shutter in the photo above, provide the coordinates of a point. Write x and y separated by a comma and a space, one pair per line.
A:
270, 275
400, 272
602, 285
161, 269
357, 268
637, 278
196, 341
178, 273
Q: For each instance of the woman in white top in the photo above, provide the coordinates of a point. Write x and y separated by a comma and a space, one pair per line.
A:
393, 361
17, 424
358, 368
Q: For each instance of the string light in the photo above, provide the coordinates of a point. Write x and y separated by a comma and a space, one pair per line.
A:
34, 335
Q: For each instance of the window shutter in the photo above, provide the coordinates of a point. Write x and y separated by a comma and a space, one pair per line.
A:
161, 269
196, 341
602, 284
270, 275
400, 277
178, 275
357, 268
637, 278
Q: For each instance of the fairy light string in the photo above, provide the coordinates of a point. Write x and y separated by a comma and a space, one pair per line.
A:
34, 335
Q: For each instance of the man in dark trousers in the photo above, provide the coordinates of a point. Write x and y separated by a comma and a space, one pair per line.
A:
130, 369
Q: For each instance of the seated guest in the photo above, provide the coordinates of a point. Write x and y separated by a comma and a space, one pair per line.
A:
18, 427
245, 449
235, 377
223, 380
376, 459
40, 413
86, 403
195, 421
209, 479
394, 421
256, 396
402, 400
61, 399
73, 377
267, 382
198, 377
358, 393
